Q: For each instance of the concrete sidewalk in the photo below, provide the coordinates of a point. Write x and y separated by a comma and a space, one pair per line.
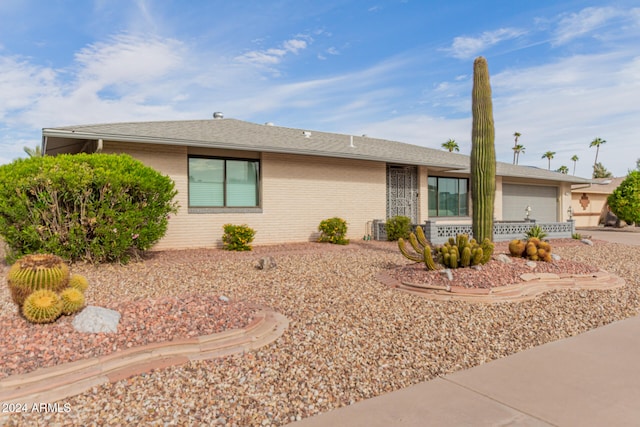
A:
592, 379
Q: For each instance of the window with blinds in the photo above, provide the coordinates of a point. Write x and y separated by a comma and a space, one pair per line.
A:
216, 182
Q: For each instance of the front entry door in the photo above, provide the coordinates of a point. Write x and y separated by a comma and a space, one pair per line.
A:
402, 192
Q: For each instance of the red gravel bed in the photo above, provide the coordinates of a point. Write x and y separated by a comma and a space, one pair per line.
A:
27, 347
494, 273
490, 275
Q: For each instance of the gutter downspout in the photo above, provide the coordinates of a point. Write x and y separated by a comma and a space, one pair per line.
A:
43, 145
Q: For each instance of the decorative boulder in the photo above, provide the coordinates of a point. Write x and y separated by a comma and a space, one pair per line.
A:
266, 263
97, 319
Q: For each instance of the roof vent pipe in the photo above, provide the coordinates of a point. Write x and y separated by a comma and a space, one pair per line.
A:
218, 115
351, 141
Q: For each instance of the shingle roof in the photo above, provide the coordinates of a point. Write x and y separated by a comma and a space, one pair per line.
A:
246, 136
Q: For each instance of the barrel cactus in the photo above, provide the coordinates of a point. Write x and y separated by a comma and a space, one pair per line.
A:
533, 249
42, 306
35, 272
79, 282
483, 155
72, 300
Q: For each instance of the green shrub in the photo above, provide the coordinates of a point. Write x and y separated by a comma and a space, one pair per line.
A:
398, 227
91, 207
576, 236
237, 237
536, 231
333, 230
625, 200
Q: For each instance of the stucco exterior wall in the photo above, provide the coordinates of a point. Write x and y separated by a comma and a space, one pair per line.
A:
297, 193
587, 208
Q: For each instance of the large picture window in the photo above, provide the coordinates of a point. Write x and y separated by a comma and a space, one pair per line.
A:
216, 182
448, 196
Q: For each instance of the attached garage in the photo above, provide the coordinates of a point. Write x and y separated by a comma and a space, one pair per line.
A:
542, 199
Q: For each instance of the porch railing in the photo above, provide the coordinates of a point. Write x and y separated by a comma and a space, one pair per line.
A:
439, 232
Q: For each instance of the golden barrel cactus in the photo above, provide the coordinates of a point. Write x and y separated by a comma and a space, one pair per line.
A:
36, 272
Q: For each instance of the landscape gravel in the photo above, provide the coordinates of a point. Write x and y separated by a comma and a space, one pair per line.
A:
350, 337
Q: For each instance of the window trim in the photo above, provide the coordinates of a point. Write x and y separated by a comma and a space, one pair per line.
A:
225, 208
437, 202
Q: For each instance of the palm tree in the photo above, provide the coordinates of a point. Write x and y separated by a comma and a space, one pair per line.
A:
574, 159
549, 155
451, 145
33, 152
563, 169
519, 148
516, 153
597, 143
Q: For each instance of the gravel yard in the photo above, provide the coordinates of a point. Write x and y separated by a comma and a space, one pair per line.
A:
350, 337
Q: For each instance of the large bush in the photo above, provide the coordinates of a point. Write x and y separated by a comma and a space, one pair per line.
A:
92, 207
625, 200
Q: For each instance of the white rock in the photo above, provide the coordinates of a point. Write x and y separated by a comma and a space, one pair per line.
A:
223, 298
447, 272
96, 319
587, 242
556, 257
504, 259
531, 264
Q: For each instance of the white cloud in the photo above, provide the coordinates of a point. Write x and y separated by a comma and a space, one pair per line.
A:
127, 58
22, 84
586, 21
274, 56
467, 47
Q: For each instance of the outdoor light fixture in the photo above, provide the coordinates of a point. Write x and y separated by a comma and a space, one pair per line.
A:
527, 212
570, 212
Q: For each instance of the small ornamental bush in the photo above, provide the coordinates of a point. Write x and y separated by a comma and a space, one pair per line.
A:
333, 230
90, 207
237, 237
398, 227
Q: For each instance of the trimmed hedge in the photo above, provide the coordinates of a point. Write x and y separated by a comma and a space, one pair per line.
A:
625, 200
91, 207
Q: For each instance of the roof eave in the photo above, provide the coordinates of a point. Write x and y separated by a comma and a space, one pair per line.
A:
231, 146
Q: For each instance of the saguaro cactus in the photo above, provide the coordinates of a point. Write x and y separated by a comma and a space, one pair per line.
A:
483, 153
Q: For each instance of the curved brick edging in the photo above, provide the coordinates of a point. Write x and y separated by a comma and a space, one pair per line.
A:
532, 285
51, 384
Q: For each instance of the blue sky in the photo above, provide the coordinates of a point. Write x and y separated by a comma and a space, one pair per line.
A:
562, 72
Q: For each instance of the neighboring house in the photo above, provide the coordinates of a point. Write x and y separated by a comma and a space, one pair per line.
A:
589, 201
282, 182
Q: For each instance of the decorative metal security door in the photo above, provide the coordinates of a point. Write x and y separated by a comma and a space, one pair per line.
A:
402, 192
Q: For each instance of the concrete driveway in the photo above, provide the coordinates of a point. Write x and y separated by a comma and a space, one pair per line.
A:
627, 235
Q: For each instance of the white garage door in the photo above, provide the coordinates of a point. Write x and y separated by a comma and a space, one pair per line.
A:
542, 199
